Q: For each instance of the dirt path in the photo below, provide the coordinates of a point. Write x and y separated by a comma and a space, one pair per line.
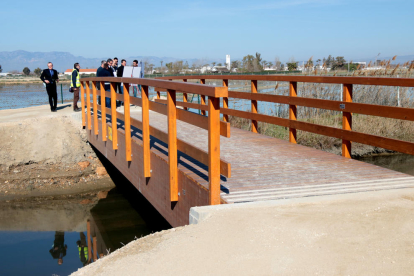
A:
356, 234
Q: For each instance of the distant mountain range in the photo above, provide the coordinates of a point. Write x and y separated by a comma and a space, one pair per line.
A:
17, 60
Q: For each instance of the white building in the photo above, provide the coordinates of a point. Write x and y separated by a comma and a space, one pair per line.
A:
82, 71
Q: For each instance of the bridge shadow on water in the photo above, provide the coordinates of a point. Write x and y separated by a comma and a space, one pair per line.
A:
154, 220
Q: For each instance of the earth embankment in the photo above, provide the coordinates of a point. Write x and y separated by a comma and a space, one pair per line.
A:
46, 153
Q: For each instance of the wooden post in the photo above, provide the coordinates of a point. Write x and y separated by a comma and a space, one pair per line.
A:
293, 92
254, 105
146, 132
158, 95
172, 144
103, 111
185, 96
127, 123
214, 150
114, 120
83, 103
347, 120
225, 101
95, 109
88, 105
203, 98
88, 236
95, 250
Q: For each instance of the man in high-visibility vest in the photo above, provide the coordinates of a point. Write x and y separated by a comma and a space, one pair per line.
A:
83, 249
75, 85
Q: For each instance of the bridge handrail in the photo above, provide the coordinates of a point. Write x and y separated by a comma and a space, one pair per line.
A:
402, 82
212, 123
346, 106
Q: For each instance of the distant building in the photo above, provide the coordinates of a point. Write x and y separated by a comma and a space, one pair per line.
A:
228, 62
220, 69
10, 74
82, 71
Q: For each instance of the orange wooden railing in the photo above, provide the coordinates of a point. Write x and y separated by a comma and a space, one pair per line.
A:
212, 123
346, 106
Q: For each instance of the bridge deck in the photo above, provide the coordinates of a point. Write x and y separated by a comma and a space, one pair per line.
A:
265, 168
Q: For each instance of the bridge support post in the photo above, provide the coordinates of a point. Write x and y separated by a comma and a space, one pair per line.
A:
83, 103
347, 120
225, 101
127, 123
172, 144
293, 92
88, 236
203, 98
95, 109
113, 115
95, 249
214, 150
185, 98
103, 111
146, 132
254, 105
88, 105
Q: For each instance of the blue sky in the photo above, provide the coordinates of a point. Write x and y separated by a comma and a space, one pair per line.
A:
210, 29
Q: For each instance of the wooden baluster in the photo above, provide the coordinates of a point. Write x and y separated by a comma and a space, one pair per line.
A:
95, 109
95, 250
293, 87
113, 115
103, 111
158, 95
214, 150
185, 96
83, 103
88, 105
172, 144
347, 120
203, 98
127, 123
146, 132
88, 236
254, 105
225, 101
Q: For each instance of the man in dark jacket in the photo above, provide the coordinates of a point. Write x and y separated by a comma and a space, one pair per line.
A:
75, 85
59, 247
50, 78
104, 72
119, 74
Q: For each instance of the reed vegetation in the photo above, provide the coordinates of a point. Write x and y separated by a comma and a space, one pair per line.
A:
377, 95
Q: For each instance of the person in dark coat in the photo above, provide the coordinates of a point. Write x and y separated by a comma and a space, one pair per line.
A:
103, 71
119, 74
50, 78
59, 248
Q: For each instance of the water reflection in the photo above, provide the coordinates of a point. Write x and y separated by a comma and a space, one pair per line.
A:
58, 250
58, 236
398, 162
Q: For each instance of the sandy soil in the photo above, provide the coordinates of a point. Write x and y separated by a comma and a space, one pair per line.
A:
358, 234
40, 153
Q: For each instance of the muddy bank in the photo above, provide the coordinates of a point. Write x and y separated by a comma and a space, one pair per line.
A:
46, 154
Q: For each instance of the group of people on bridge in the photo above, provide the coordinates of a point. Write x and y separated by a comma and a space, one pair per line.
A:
108, 68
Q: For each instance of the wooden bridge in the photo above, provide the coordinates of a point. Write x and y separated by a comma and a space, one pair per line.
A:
179, 159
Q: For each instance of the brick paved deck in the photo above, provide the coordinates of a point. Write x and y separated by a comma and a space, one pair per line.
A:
265, 168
